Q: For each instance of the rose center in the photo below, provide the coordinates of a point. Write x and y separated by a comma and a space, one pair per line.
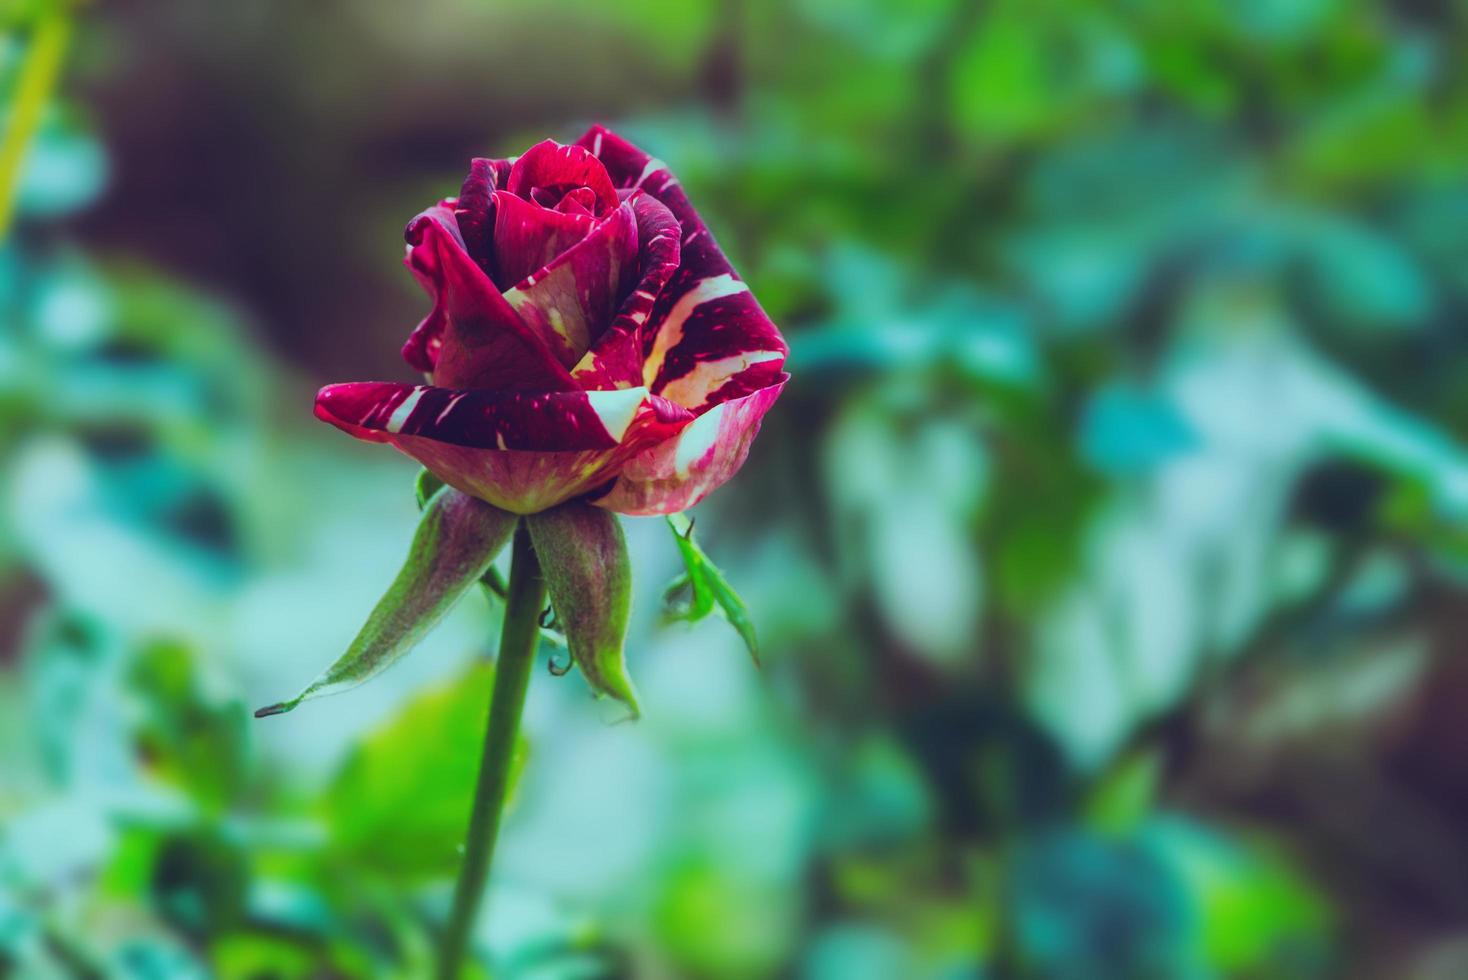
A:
566, 198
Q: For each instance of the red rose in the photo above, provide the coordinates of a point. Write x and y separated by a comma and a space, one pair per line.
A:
587, 338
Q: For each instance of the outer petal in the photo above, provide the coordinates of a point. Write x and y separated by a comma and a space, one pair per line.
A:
471, 338
676, 474
615, 360
521, 451
570, 302
708, 339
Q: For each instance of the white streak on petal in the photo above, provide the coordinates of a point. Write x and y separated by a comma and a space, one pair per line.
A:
700, 436
653, 166
616, 408
692, 388
401, 413
448, 408
671, 332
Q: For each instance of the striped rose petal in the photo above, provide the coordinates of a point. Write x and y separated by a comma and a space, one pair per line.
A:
471, 338
679, 472
520, 451
571, 301
707, 340
528, 237
615, 359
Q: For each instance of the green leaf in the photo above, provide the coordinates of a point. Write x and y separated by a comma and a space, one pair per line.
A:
707, 588
456, 541
583, 556
401, 800
190, 739
1124, 797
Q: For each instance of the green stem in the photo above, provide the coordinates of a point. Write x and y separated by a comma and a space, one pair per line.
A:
523, 601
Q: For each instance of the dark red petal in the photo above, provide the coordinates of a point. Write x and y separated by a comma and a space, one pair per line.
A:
707, 336
678, 473
581, 200
527, 236
475, 209
550, 166
471, 338
571, 301
519, 451
615, 360
422, 346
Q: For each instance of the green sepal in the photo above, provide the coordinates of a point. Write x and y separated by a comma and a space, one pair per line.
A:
583, 556
707, 588
494, 583
425, 487
455, 542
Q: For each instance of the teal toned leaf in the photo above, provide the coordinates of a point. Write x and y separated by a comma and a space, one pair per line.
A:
1252, 901
589, 576
707, 588
456, 541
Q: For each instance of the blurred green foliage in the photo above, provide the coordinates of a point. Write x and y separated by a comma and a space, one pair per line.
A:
1107, 551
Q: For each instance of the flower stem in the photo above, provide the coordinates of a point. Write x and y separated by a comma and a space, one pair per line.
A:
523, 602
38, 74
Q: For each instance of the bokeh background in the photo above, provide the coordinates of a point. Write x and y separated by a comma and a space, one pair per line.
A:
1108, 550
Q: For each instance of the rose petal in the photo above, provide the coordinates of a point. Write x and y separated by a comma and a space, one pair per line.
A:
677, 473
471, 338
527, 236
475, 209
581, 200
615, 360
570, 302
552, 167
520, 451
422, 346
707, 337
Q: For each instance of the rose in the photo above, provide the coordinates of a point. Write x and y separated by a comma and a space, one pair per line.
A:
588, 344
587, 339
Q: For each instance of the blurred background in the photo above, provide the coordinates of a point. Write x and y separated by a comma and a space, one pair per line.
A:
1108, 549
